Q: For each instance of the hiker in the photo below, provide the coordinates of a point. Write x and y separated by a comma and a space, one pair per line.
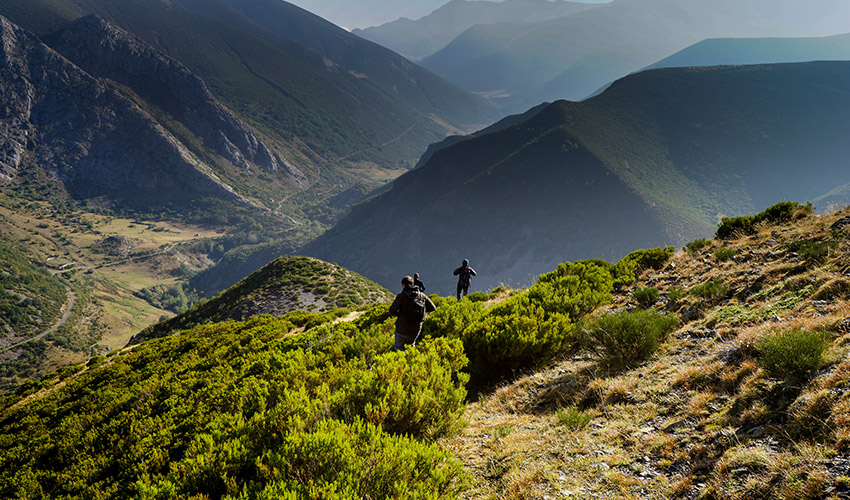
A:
464, 274
418, 283
410, 306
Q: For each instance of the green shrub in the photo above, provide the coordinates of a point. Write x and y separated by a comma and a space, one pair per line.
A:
781, 212
712, 290
675, 294
572, 418
792, 355
696, 245
724, 254
814, 251
478, 296
646, 297
516, 334
627, 270
628, 337
451, 317
247, 410
573, 289
527, 329
417, 392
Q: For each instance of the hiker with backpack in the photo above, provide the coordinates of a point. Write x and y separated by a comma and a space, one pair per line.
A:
464, 275
410, 306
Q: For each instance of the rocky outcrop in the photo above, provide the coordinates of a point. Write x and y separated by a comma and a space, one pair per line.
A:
94, 140
106, 51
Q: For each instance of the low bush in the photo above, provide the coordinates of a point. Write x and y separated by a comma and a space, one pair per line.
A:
696, 245
572, 418
712, 290
781, 212
627, 270
573, 289
793, 355
646, 297
411, 392
675, 294
724, 254
628, 337
527, 329
814, 251
478, 296
515, 335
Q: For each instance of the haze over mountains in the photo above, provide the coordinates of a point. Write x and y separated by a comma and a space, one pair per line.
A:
519, 64
425, 36
656, 159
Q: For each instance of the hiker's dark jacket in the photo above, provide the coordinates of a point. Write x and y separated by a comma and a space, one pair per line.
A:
399, 308
418, 284
464, 273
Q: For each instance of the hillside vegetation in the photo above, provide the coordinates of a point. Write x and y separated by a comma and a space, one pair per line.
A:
730, 381
285, 285
746, 398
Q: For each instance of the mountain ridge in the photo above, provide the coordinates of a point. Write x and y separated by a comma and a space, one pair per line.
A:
688, 146
422, 37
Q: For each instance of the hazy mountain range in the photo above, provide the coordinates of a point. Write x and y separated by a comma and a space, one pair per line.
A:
519, 64
426, 35
656, 159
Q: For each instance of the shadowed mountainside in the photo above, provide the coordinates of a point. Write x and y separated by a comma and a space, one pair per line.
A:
658, 158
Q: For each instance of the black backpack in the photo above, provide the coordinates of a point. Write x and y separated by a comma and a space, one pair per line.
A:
415, 310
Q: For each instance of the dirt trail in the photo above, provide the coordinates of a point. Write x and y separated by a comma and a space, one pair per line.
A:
68, 307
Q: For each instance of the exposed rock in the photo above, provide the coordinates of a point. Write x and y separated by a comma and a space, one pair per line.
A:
83, 133
840, 223
117, 246
106, 51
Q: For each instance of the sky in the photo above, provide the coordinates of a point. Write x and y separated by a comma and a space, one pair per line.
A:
352, 14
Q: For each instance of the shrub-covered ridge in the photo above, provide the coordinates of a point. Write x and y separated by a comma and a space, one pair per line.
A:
284, 285
731, 383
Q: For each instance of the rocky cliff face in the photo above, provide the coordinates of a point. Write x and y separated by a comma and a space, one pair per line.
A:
106, 51
82, 132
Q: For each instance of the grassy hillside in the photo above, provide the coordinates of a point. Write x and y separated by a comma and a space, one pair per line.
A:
31, 298
728, 382
657, 159
284, 285
746, 398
